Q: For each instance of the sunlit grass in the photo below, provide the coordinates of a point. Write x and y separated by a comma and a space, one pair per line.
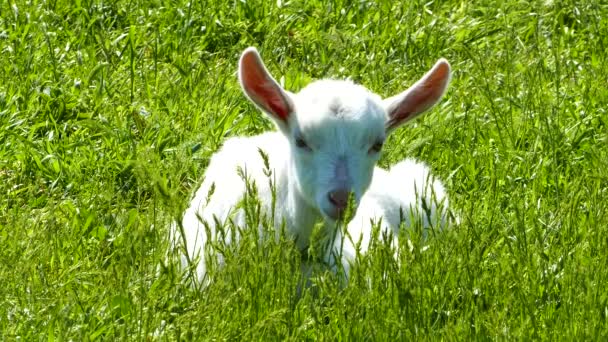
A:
109, 112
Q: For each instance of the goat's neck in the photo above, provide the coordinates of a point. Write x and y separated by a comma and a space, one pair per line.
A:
300, 216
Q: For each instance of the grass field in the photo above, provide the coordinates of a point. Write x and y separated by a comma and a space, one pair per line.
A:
110, 110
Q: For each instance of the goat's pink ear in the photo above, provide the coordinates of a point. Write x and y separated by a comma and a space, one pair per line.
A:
261, 88
423, 95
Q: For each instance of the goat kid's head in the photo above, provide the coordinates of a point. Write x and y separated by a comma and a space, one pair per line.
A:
336, 129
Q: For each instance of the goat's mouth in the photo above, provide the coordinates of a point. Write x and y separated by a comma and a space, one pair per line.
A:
334, 214
338, 214
341, 205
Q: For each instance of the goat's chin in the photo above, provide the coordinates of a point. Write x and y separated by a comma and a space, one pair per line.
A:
332, 215
331, 218
329, 214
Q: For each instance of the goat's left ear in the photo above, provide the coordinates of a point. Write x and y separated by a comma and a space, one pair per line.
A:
423, 95
262, 89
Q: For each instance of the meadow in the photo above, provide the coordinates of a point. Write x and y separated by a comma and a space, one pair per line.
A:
110, 111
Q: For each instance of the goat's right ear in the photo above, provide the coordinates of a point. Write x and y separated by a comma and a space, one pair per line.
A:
262, 89
421, 96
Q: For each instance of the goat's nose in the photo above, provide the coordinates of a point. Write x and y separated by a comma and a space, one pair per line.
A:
339, 198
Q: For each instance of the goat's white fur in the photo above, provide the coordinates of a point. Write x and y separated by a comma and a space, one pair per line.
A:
327, 140
407, 191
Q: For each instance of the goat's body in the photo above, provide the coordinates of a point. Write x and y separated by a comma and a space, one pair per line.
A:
407, 191
230, 187
407, 188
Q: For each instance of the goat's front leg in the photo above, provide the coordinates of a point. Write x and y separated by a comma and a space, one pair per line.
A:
340, 252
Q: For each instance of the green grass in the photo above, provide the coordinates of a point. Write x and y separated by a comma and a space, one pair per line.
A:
110, 110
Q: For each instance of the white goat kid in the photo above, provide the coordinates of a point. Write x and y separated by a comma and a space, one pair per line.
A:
329, 139
408, 191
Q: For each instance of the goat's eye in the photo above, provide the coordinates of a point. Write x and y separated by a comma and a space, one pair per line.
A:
376, 147
301, 143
